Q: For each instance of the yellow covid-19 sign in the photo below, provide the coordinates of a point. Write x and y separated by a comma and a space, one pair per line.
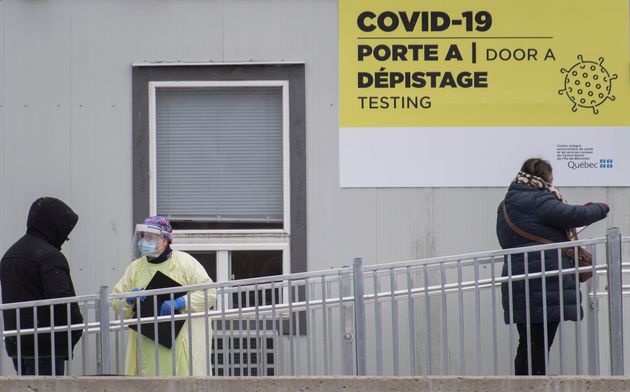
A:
483, 63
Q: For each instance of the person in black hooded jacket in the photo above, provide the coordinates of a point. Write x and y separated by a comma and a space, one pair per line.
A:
534, 206
35, 269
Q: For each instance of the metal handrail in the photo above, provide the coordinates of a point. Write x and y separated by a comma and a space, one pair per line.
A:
48, 302
483, 256
305, 287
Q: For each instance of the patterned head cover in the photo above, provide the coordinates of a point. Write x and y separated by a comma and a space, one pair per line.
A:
162, 223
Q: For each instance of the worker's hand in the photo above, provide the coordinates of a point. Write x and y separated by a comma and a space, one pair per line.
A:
132, 300
177, 304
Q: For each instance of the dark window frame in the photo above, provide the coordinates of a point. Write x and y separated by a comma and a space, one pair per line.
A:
294, 73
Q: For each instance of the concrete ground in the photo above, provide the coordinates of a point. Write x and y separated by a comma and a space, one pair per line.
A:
314, 384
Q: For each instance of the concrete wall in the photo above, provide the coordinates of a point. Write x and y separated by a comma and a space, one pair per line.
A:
348, 384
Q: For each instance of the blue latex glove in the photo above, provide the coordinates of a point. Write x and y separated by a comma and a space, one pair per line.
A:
177, 304
132, 300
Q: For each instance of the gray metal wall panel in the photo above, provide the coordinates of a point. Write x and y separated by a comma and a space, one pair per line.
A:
36, 90
3, 145
273, 30
78, 53
100, 142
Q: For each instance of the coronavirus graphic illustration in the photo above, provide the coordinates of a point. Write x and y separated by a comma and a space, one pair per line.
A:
588, 84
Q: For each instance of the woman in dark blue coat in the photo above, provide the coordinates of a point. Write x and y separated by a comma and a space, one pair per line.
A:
534, 206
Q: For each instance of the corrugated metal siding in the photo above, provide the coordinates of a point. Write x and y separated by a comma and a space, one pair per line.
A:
65, 121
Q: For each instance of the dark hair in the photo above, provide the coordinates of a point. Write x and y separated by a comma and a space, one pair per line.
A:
538, 167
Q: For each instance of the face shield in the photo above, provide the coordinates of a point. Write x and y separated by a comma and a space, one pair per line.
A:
145, 240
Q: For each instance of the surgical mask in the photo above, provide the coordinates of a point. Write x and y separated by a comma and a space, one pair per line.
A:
148, 248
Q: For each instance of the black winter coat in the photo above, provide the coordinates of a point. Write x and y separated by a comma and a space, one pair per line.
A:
35, 269
540, 213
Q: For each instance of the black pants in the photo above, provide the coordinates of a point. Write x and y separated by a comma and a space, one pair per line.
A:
538, 349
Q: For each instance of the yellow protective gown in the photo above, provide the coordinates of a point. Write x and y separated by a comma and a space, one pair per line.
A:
186, 270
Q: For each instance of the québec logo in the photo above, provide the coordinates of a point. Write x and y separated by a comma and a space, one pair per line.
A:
602, 164
605, 163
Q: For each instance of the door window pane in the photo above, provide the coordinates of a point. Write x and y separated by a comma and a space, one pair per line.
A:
208, 259
254, 264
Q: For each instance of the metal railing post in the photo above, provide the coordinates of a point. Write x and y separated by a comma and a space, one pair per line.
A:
359, 316
592, 319
615, 300
103, 359
347, 324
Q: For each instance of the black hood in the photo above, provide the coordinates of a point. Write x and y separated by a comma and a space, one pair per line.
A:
52, 218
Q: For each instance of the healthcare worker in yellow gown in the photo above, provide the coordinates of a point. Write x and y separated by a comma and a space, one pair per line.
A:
153, 240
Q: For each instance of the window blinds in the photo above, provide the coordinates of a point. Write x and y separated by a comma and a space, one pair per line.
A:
219, 154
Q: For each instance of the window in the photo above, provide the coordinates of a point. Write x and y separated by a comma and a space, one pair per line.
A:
219, 155
220, 150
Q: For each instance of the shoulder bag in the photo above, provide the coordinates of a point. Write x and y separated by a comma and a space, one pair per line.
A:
585, 259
